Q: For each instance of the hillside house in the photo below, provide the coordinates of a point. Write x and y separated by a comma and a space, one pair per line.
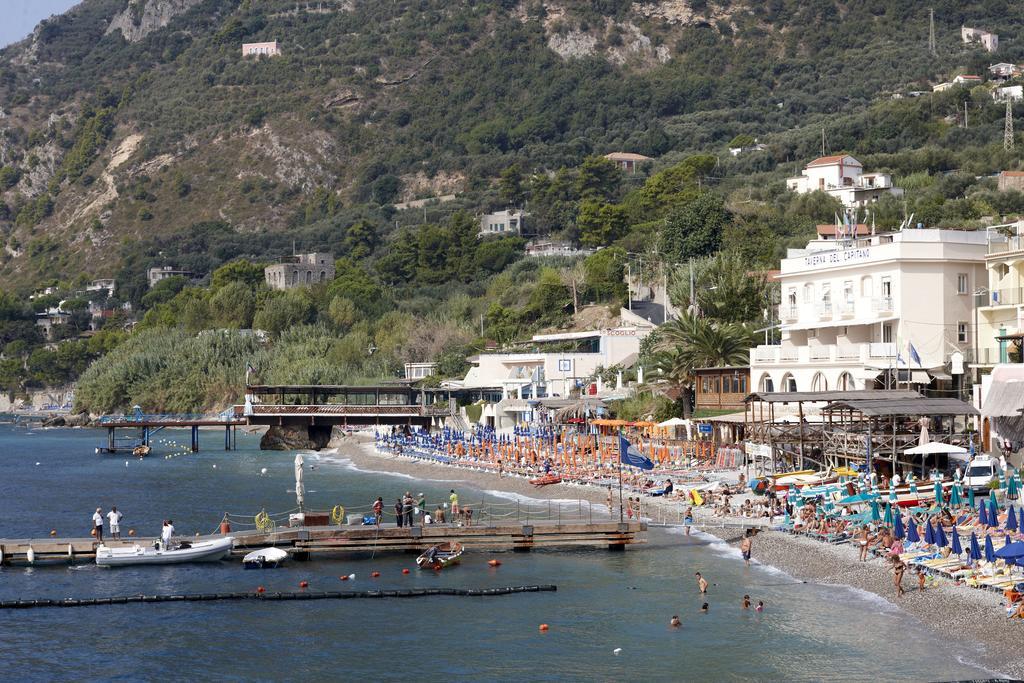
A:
830, 231
503, 222
843, 177
989, 41
1011, 180
1009, 93
968, 80
155, 275
756, 147
300, 270
627, 161
271, 49
50, 319
940, 87
1003, 71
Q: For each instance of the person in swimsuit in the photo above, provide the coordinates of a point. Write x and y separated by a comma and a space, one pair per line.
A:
702, 583
746, 546
863, 538
674, 622
898, 569
746, 602
688, 519
760, 606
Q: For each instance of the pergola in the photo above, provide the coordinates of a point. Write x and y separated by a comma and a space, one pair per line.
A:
849, 426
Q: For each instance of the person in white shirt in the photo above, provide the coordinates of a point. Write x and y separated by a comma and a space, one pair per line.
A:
114, 522
896, 479
166, 534
97, 520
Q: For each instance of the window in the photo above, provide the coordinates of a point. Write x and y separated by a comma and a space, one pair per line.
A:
826, 294
961, 283
961, 332
887, 333
866, 286
848, 292
886, 287
812, 334
808, 293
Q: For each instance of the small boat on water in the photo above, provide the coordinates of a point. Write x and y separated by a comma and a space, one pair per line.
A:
440, 556
546, 479
266, 558
141, 451
200, 551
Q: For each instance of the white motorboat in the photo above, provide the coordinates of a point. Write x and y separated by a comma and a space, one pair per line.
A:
266, 558
199, 551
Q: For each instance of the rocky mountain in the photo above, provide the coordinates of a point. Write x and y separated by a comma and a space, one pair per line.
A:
128, 126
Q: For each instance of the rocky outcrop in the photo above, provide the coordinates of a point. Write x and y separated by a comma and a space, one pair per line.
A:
142, 17
78, 420
295, 438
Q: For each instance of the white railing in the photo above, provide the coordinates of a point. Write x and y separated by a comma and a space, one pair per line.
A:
846, 354
882, 304
824, 310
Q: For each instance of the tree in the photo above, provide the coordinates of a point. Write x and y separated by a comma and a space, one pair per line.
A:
694, 228
599, 179
726, 289
604, 274
510, 186
282, 310
342, 312
360, 239
574, 278
233, 306
240, 271
164, 290
601, 224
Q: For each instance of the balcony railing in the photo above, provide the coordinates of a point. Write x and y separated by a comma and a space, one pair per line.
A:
1011, 296
882, 304
790, 312
1003, 247
824, 310
847, 354
846, 309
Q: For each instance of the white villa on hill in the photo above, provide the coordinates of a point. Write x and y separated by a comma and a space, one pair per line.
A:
844, 178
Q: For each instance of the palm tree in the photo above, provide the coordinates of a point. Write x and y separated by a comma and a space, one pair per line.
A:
690, 342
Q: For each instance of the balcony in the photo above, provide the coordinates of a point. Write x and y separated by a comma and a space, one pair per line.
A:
1010, 244
824, 310
789, 313
882, 304
846, 309
1011, 296
874, 353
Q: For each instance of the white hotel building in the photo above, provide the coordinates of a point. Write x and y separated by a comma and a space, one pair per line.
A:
849, 309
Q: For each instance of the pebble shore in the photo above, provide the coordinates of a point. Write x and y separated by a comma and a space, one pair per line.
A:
955, 614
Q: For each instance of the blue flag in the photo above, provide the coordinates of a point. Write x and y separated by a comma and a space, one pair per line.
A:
631, 456
913, 354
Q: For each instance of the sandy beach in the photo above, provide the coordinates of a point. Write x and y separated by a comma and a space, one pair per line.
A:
953, 613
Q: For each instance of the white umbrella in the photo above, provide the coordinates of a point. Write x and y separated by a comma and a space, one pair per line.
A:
300, 488
674, 422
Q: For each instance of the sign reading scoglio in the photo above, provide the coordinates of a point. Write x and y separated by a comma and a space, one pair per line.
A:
832, 258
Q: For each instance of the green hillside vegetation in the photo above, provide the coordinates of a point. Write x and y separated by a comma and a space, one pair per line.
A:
118, 156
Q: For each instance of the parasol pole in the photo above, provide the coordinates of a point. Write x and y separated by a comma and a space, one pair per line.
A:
620, 482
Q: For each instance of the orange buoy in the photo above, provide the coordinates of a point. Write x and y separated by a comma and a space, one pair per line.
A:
405, 571
543, 627
374, 575
225, 527
494, 563
303, 584
261, 589
93, 533
53, 532
344, 578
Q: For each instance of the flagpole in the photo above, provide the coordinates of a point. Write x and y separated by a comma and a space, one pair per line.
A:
620, 478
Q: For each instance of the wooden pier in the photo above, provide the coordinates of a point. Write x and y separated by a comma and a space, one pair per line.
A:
314, 541
147, 426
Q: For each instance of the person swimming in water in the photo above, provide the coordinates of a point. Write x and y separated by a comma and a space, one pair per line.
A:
746, 602
704, 608
760, 606
674, 622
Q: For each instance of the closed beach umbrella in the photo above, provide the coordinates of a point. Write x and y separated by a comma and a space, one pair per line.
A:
897, 525
982, 514
1011, 520
992, 501
913, 487
912, 535
975, 550
993, 515
955, 498
300, 488
938, 493
990, 553
956, 547
929, 533
1012, 487
892, 492
970, 497
888, 515
875, 515
940, 535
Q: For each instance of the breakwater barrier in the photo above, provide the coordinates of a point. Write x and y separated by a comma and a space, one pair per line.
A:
278, 596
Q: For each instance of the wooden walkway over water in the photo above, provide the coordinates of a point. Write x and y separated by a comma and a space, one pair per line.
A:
314, 541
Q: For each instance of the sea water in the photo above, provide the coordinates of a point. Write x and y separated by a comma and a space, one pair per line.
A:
53, 479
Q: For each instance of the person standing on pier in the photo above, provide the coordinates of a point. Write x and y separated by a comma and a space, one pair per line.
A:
114, 522
421, 503
407, 507
398, 511
378, 509
454, 500
97, 520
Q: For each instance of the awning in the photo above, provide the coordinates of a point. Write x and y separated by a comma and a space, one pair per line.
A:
1004, 399
937, 374
920, 377
866, 374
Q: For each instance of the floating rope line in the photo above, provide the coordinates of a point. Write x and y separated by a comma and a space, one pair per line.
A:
274, 597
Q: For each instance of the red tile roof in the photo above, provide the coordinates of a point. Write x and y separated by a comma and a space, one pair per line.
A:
828, 161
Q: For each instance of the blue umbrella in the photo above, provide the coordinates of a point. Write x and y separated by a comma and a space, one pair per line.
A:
982, 514
975, 551
990, 553
957, 548
1011, 520
929, 533
912, 535
888, 515
940, 535
897, 525
1011, 551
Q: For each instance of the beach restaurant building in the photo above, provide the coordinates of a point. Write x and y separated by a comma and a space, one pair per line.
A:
884, 311
550, 365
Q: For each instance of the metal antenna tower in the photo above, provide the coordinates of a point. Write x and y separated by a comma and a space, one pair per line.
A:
931, 33
1008, 126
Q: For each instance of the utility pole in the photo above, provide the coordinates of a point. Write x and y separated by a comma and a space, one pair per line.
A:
965, 113
931, 33
1008, 126
823, 141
